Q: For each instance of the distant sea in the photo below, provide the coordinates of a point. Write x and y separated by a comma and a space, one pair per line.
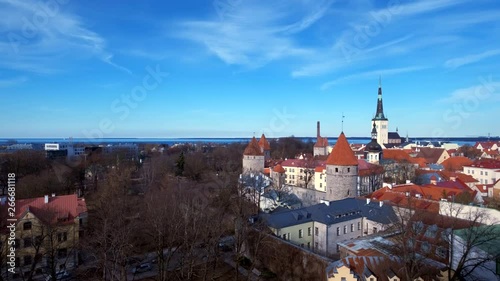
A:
172, 141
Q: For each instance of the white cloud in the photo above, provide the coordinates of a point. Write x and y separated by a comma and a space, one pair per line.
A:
486, 90
254, 33
372, 74
12, 81
38, 39
468, 59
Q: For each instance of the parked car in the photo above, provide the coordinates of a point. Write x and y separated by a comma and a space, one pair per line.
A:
143, 267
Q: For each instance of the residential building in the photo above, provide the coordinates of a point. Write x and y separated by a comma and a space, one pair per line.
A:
47, 232
486, 171
320, 227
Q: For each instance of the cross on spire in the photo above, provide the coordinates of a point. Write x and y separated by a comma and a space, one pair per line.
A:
343, 121
380, 81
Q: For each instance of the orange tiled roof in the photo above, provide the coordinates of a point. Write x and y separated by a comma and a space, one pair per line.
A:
321, 142
279, 169
418, 160
342, 153
396, 154
264, 143
253, 148
463, 177
456, 163
430, 154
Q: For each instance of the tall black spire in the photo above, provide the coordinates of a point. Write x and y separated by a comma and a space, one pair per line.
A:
380, 107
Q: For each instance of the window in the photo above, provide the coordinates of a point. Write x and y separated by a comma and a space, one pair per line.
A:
338, 248
309, 245
284, 236
62, 253
343, 279
485, 173
27, 242
375, 230
316, 231
348, 170
359, 225
27, 226
425, 247
431, 231
320, 176
62, 236
301, 233
309, 231
27, 260
336, 170
288, 236
338, 231
441, 252
352, 227
320, 184
481, 173
345, 229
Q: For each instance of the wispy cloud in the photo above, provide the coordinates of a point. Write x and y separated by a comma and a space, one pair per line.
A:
254, 33
468, 59
12, 81
489, 90
372, 74
39, 39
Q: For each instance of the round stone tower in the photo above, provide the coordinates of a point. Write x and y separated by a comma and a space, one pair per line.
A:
253, 157
341, 171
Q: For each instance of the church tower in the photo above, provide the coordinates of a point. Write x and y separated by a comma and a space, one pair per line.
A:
380, 121
373, 150
341, 171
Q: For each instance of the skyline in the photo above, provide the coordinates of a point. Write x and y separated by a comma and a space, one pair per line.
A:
229, 68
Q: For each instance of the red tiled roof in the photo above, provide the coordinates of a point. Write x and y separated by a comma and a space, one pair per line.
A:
279, 169
319, 169
396, 154
456, 163
485, 163
463, 177
421, 162
321, 142
485, 144
253, 148
264, 143
59, 209
342, 153
365, 168
267, 171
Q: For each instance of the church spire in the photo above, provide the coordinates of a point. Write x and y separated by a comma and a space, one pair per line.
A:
379, 115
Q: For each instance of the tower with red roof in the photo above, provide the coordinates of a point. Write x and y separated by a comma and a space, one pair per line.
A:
341, 171
253, 157
265, 147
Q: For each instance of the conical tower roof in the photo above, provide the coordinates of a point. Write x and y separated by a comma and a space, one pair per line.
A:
253, 148
342, 154
264, 143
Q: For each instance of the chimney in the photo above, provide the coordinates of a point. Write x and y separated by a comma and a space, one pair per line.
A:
46, 199
380, 203
53, 195
368, 201
433, 180
318, 130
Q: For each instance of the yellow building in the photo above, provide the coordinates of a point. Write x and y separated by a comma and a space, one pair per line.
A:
47, 232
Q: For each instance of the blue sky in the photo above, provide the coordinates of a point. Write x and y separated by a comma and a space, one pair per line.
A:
229, 68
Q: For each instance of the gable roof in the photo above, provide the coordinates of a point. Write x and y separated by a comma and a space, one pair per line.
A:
342, 154
396, 154
253, 148
263, 143
485, 163
59, 209
431, 154
456, 163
